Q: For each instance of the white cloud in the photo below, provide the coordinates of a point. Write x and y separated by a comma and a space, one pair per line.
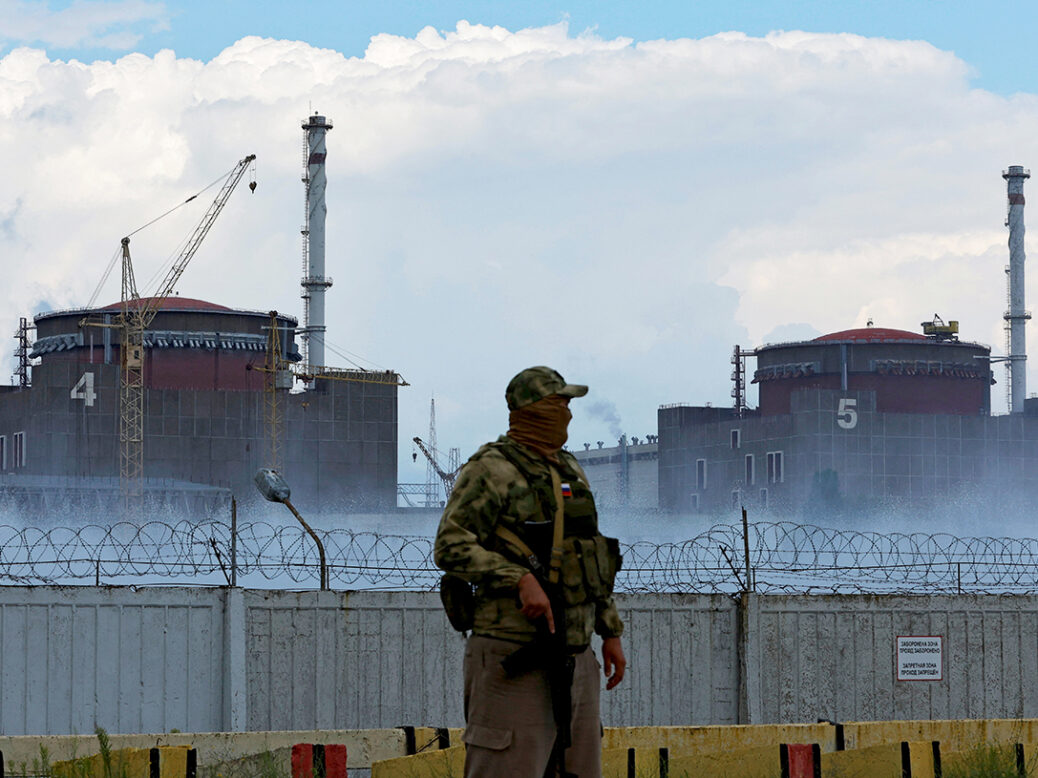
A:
108, 24
626, 212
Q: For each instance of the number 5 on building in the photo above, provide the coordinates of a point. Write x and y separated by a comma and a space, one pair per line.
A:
84, 390
846, 415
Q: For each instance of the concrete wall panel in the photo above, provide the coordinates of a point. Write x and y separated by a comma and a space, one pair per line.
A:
683, 664
73, 658
834, 657
200, 660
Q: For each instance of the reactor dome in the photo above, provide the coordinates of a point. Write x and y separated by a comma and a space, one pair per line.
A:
909, 372
191, 344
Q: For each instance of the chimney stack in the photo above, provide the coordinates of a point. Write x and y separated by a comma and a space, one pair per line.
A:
1016, 317
314, 282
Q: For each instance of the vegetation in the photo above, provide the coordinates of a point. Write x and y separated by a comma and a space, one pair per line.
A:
988, 760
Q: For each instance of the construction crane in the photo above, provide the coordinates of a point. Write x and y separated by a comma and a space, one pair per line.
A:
447, 476
136, 315
280, 375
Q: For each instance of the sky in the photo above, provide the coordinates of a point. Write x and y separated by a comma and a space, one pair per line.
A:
621, 191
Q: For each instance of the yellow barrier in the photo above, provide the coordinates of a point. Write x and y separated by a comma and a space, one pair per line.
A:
691, 740
640, 762
761, 762
890, 760
1026, 759
419, 739
446, 763
163, 762
954, 735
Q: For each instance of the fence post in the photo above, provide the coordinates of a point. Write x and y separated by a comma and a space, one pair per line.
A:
234, 541
746, 549
748, 659
235, 713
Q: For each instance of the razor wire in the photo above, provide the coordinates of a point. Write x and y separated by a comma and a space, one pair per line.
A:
784, 557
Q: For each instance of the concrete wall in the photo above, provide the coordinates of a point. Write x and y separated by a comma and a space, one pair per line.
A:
130, 661
833, 657
154, 659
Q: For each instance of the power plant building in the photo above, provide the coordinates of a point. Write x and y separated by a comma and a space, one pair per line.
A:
200, 396
869, 417
866, 418
624, 476
206, 402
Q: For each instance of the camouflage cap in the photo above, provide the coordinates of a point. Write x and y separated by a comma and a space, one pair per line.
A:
536, 383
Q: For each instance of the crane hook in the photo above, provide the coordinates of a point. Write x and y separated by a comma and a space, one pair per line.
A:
252, 186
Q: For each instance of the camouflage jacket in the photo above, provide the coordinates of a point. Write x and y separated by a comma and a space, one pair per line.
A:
507, 483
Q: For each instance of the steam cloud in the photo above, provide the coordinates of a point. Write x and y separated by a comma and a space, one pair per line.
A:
605, 410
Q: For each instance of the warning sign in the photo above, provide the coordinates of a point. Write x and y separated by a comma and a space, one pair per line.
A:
920, 658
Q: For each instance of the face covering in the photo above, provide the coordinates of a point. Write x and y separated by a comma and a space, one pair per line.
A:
541, 425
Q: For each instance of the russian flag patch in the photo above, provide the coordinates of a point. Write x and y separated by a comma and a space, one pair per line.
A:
567, 491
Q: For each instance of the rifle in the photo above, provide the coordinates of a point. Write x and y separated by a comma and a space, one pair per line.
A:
548, 651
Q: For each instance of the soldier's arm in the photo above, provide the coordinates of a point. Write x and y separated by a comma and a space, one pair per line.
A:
467, 526
607, 619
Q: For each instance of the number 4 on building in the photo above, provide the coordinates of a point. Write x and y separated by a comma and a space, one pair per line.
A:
84, 390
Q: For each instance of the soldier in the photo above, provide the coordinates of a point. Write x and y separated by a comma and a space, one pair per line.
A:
521, 526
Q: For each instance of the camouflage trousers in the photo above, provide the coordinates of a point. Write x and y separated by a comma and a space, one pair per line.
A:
510, 729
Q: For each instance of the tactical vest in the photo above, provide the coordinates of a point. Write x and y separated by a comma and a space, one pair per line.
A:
590, 561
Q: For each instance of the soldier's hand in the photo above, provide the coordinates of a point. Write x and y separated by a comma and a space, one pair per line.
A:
534, 601
614, 663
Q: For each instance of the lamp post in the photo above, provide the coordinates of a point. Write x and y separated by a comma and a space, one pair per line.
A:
274, 488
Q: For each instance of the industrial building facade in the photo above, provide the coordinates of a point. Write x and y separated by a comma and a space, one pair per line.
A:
624, 476
206, 403
866, 418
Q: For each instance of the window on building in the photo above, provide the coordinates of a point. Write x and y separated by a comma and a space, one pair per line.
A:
776, 471
19, 449
764, 499
701, 474
750, 475
3, 453
695, 502
736, 495
736, 438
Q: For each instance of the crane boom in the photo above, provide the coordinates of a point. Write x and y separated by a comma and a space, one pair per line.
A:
152, 305
447, 478
137, 315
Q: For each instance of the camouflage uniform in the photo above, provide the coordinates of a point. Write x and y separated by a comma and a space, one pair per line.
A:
491, 490
510, 729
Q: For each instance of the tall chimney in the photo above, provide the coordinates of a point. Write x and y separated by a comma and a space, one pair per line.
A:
1016, 317
314, 282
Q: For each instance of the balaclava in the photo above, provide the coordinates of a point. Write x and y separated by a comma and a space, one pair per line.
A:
541, 425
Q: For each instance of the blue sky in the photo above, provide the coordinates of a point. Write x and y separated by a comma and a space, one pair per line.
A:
997, 40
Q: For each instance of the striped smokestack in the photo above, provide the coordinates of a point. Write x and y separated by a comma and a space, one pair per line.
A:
314, 282
1016, 317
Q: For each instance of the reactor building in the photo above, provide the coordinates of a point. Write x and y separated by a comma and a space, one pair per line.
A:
864, 418
219, 397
